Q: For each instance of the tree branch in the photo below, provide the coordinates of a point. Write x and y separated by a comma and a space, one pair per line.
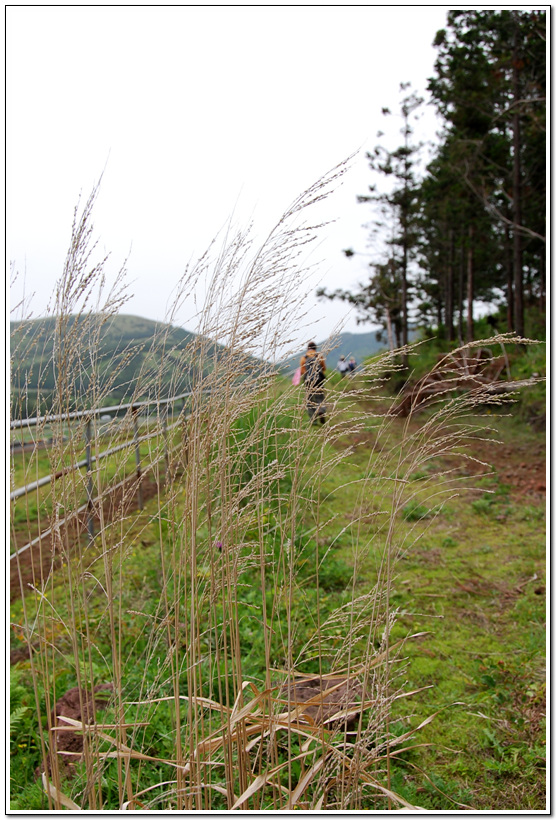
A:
493, 210
518, 102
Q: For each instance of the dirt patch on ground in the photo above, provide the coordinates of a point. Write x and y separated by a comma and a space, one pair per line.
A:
503, 594
34, 565
520, 467
323, 699
77, 704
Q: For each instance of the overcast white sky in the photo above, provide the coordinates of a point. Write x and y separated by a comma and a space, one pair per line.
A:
198, 113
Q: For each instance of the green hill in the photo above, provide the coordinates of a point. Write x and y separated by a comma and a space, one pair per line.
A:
131, 358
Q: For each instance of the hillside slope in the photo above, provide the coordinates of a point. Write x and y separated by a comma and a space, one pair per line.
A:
130, 357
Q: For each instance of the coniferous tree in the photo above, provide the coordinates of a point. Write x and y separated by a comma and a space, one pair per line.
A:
378, 300
489, 86
385, 297
476, 221
401, 200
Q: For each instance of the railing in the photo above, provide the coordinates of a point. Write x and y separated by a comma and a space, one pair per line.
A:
89, 460
79, 414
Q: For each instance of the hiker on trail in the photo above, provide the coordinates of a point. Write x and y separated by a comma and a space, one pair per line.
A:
342, 366
313, 366
352, 364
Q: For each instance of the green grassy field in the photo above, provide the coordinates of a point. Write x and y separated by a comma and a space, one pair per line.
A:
466, 554
474, 580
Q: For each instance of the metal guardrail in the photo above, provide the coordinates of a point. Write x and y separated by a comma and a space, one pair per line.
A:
79, 414
41, 482
84, 507
89, 459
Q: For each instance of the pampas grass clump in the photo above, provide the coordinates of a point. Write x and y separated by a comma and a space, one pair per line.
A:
206, 698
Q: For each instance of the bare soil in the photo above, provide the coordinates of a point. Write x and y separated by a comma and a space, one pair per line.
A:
77, 704
30, 567
520, 467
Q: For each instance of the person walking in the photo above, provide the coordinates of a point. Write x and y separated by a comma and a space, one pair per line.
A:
342, 366
313, 367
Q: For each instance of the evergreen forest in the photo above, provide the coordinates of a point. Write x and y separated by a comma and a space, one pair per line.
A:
471, 228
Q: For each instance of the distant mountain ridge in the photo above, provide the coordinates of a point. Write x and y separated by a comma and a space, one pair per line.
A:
358, 345
134, 357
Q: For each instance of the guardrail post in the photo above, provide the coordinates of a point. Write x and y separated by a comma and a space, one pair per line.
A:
135, 412
165, 434
90, 519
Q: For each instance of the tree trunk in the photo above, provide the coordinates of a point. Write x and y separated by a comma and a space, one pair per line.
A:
399, 337
470, 284
405, 361
450, 290
517, 250
404, 299
461, 279
389, 330
509, 281
542, 283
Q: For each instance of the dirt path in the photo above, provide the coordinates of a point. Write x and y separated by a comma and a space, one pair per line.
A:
519, 464
521, 467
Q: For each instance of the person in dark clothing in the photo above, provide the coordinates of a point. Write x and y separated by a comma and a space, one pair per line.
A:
313, 367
